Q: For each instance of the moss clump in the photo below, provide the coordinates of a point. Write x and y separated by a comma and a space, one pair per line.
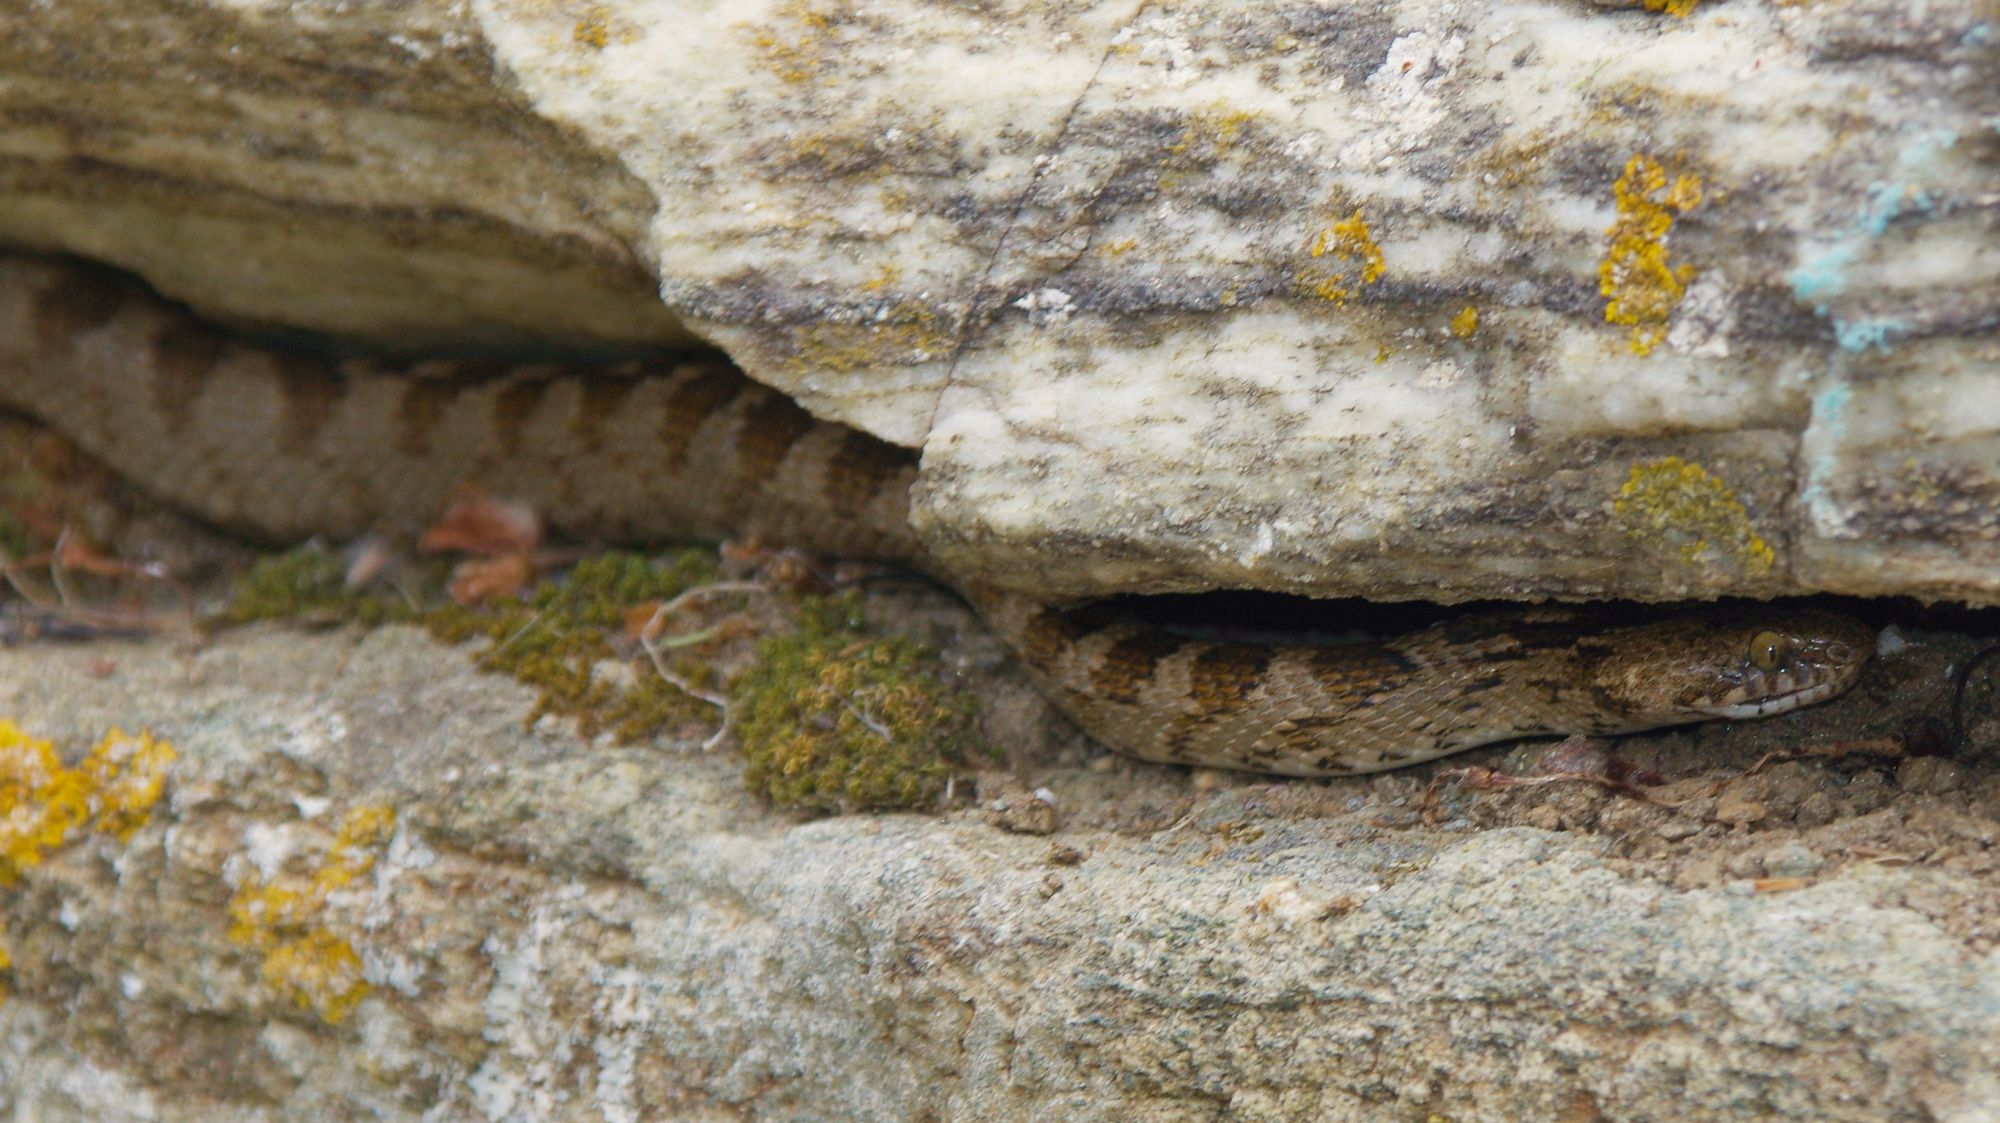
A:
555, 638
832, 719
308, 583
15, 541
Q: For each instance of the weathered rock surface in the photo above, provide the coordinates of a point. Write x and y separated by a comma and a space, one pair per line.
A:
1426, 299
558, 931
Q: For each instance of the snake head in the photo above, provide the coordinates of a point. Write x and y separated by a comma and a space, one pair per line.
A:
1740, 664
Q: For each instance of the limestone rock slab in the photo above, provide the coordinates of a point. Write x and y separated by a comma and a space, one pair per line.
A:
1434, 298
555, 930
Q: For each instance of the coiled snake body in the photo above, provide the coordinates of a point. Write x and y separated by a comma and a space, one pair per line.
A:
288, 446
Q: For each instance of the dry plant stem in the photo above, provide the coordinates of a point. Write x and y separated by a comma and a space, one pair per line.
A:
519, 632
69, 605
700, 592
655, 649
1888, 748
1486, 779
861, 716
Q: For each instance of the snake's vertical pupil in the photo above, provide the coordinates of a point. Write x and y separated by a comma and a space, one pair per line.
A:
1768, 651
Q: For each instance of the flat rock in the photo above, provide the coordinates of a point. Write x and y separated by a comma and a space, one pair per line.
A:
1427, 299
555, 930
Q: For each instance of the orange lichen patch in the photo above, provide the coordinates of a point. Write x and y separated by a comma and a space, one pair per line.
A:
1675, 8
284, 919
1639, 285
41, 802
1466, 322
1337, 250
1672, 501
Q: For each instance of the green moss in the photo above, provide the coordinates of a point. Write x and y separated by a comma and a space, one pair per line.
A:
308, 583
832, 719
555, 638
15, 541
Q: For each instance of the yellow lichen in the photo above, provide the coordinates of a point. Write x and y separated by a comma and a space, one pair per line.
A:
1206, 136
1640, 287
41, 802
593, 28
801, 54
885, 276
1336, 250
285, 920
1466, 322
1675, 8
1670, 501
127, 776
906, 332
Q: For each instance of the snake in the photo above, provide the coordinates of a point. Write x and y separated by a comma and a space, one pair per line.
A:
285, 444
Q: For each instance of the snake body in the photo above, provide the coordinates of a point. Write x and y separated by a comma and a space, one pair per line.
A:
286, 446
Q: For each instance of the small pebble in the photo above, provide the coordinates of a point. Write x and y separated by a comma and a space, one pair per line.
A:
1890, 642
1736, 810
1674, 830
1792, 859
1574, 756
1930, 775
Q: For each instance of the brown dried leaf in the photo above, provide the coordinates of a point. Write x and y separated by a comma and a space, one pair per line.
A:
478, 523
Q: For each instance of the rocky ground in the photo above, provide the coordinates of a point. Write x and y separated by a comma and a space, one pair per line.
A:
368, 888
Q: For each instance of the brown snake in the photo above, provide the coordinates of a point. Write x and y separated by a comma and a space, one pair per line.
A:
287, 446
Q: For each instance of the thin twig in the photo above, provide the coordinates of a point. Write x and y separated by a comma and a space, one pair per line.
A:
511, 640
680, 682
1486, 779
70, 606
861, 716
668, 608
654, 646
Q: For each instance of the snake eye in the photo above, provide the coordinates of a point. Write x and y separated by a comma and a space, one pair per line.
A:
1769, 650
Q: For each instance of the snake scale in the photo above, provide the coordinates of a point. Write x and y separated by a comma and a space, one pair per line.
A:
290, 445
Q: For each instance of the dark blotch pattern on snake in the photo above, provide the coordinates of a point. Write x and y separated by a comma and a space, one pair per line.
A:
286, 447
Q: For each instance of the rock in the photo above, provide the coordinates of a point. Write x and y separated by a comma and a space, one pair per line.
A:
1400, 300
1010, 806
1736, 810
1792, 859
1931, 775
554, 930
